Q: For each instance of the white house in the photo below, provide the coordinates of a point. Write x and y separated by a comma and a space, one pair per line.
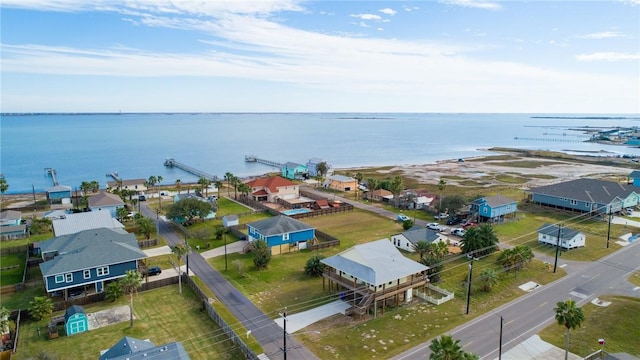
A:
230, 220
569, 238
409, 238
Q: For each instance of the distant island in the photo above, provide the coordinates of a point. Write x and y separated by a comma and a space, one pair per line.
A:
587, 117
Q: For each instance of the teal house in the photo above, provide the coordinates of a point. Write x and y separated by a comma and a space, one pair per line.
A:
75, 320
494, 208
294, 171
635, 177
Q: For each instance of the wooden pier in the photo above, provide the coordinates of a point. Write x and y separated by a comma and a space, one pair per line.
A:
252, 158
171, 162
114, 175
52, 172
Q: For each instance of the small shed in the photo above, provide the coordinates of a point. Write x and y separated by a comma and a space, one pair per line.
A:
230, 220
75, 320
564, 237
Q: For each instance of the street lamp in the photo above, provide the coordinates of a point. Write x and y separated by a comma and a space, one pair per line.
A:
470, 256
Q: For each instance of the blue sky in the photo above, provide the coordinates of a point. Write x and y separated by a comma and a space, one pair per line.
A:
320, 56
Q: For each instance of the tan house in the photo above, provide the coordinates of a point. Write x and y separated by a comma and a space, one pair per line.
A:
137, 185
379, 195
374, 275
341, 182
272, 188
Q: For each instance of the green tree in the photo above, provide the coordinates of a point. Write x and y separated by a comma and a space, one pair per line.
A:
446, 348
453, 203
571, 316
359, 176
322, 168
515, 258
372, 185
488, 278
218, 185
407, 224
204, 185
40, 307
421, 247
113, 291
219, 231
181, 250
435, 265
488, 238
314, 267
471, 241
145, 226
122, 214
261, 254
189, 209
235, 182
4, 320
4, 186
397, 185
227, 177
130, 283
442, 184
244, 189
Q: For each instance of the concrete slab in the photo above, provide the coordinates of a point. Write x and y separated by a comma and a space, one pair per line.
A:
303, 319
535, 349
162, 250
625, 222
234, 247
108, 317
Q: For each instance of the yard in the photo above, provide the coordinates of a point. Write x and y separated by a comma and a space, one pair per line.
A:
162, 315
12, 268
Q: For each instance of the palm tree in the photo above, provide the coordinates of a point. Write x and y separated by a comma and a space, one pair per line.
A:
40, 307
218, 185
235, 181
488, 238
204, 184
446, 348
359, 176
397, 185
441, 185
372, 184
130, 283
471, 241
178, 185
227, 177
244, 189
180, 250
488, 278
322, 168
145, 226
4, 186
571, 316
422, 247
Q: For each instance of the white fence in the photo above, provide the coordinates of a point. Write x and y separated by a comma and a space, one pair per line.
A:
440, 300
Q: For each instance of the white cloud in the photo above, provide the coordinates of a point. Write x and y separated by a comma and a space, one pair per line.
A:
410, 8
608, 56
367, 16
479, 4
389, 11
557, 43
603, 35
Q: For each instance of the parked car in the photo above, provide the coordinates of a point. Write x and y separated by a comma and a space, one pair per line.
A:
454, 221
142, 198
436, 227
468, 225
76, 293
153, 270
458, 232
403, 217
441, 216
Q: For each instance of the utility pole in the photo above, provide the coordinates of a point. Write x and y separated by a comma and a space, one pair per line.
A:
500, 347
609, 227
470, 256
555, 265
225, 252
284, 334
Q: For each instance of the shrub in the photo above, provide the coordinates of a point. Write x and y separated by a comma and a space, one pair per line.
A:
314, 267
262, 254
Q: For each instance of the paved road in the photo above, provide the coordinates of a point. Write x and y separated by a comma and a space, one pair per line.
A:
263, 329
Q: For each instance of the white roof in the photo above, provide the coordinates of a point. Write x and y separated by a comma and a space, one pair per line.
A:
424, 200
375, 263
74, 223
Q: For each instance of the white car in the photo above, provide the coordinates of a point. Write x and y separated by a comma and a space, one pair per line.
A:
458, 232
436, 227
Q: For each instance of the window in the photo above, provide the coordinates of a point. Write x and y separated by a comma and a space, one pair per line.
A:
86, 274
68, 277
102, 271
587, 205
285, 237
573, 202
59, 279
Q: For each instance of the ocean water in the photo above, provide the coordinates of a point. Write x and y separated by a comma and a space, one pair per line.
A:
85, 147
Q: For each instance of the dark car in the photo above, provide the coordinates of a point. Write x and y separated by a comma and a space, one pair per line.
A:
454, 221
153, 270
76, 293
142, 198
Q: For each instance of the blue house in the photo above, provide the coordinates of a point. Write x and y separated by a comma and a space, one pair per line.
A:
75, 320
635, 177
292, 171
282, 233
11, 226
58, 192
587, 195
312, 165
88, 259
129, 348
493, 208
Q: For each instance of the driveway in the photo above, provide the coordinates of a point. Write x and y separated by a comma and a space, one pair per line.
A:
108, 317
234, 247
303, 319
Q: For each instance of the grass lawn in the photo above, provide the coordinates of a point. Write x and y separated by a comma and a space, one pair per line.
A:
20, 242
12, 268
634, 278
616, 323
162, 315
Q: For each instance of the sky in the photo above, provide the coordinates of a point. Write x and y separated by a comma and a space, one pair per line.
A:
452, 56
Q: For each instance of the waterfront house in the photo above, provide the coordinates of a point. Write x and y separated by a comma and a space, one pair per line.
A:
587, 195
294, 171
87, 260
75, 320
375, 275
381, 195
635, 177
341, 183
407, 240
230, 220
494, 208
312, 166
58, 194
106, 201
271, 188
73, 223
10, 218
11, 226
282, 233
548, 234
138, 186
423, 202
129, 348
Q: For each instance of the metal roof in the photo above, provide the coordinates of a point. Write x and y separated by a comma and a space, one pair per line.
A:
418, 233
494, 201
552, 230
588, 190
279, 225
73, 223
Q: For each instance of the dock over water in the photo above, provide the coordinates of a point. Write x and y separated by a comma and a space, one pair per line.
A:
171, 162
252, 158
52, 172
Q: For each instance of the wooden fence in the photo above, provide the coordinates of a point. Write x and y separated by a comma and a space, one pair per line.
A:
213, 314
147, 243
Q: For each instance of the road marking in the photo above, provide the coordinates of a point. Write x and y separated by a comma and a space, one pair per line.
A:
636, 288
467, 344
563, 265
543, 304
577, 294
509, 322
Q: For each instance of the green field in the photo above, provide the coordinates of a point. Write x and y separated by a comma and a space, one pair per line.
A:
162, 315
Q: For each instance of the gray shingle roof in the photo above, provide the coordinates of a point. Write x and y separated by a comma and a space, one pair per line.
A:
73, 223
376, 263
589, 190
279, 225
418, 233
552, 230
494, 201
105, 199
72, 310
10, 215
89, 249
341, 178
135, 349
